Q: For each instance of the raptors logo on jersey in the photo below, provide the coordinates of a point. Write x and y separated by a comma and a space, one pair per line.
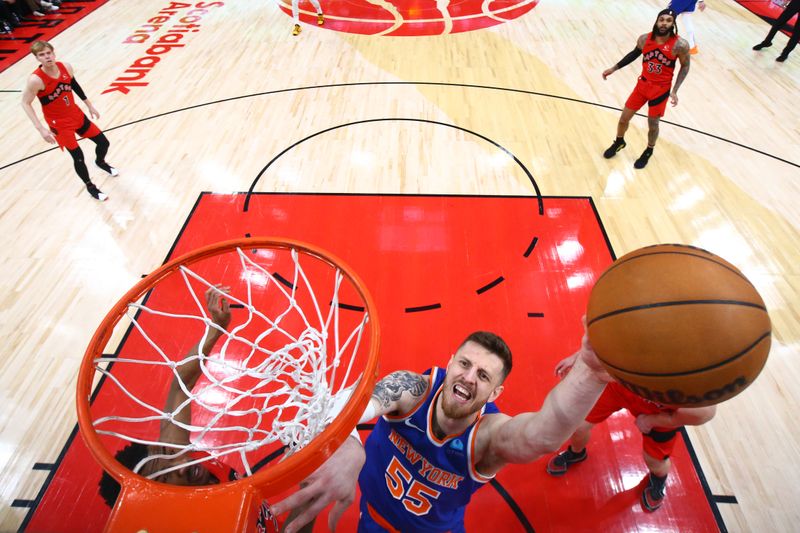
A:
58, 103
658, 60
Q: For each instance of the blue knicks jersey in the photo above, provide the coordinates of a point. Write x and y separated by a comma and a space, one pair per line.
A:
415, 481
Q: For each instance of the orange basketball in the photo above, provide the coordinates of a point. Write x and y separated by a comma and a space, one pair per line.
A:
679, 325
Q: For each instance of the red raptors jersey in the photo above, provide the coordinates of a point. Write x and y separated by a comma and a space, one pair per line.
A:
658, 60
636, 404
58, 104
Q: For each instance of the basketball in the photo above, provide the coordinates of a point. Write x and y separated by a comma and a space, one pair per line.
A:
678, 325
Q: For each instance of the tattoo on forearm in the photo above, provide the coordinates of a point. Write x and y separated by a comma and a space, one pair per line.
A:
390, 388
681, 75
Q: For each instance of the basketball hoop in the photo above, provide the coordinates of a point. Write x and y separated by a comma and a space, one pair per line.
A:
304, 343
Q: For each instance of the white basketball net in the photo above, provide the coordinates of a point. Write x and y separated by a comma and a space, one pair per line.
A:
307, 387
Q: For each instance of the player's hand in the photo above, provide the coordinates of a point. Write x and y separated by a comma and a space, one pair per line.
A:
644, 423
47, 135
334, 481
673, 98
565, 365
218, 306
93, 112
608, 72
589, 357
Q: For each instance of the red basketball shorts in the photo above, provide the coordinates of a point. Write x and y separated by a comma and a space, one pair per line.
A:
655, 95
660, 442
66, 130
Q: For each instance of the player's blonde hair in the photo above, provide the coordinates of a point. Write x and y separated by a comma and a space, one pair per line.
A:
40, 46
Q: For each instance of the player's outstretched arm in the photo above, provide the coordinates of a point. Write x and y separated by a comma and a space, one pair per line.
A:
528, 436
335, 481
629, 58
685, 416
188, 373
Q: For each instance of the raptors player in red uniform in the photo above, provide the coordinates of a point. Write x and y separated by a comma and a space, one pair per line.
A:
658, 423
660, 48
53, 84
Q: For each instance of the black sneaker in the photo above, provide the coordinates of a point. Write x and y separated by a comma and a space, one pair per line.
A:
615, 147
96, 193
783, 57
759, 46
643, 159
558, 465
102, 165
652, 496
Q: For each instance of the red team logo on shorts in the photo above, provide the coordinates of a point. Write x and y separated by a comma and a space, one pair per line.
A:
412, 17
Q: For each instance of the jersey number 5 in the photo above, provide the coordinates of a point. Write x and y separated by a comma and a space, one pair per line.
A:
417, 499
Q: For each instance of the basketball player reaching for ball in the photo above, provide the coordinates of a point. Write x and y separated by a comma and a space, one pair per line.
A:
53, 84
660, 49
205, 473
296, 15
440, 438
659, 425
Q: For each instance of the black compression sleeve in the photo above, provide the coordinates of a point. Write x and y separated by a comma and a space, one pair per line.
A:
76, 88
629, 58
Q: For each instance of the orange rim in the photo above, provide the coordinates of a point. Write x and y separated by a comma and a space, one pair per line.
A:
271, 480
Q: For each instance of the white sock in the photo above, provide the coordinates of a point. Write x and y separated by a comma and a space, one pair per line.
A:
686, 27
296, 9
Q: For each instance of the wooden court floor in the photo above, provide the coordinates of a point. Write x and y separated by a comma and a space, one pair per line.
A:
210, 115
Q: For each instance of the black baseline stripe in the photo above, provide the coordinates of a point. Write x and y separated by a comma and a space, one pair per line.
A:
535, 315
719, 498
430, 307
672, 304
703, 481
649, 254
523, 520
495, 283
43, 466
695, 371
22, 503
531, 247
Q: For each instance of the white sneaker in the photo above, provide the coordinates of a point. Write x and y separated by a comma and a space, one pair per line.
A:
105, 167
96, 193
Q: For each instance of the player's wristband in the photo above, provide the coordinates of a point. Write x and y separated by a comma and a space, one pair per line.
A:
355, 434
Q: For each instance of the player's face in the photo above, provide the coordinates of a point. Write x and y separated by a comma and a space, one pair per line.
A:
474, 377
46, 57
664, 24
192, 475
